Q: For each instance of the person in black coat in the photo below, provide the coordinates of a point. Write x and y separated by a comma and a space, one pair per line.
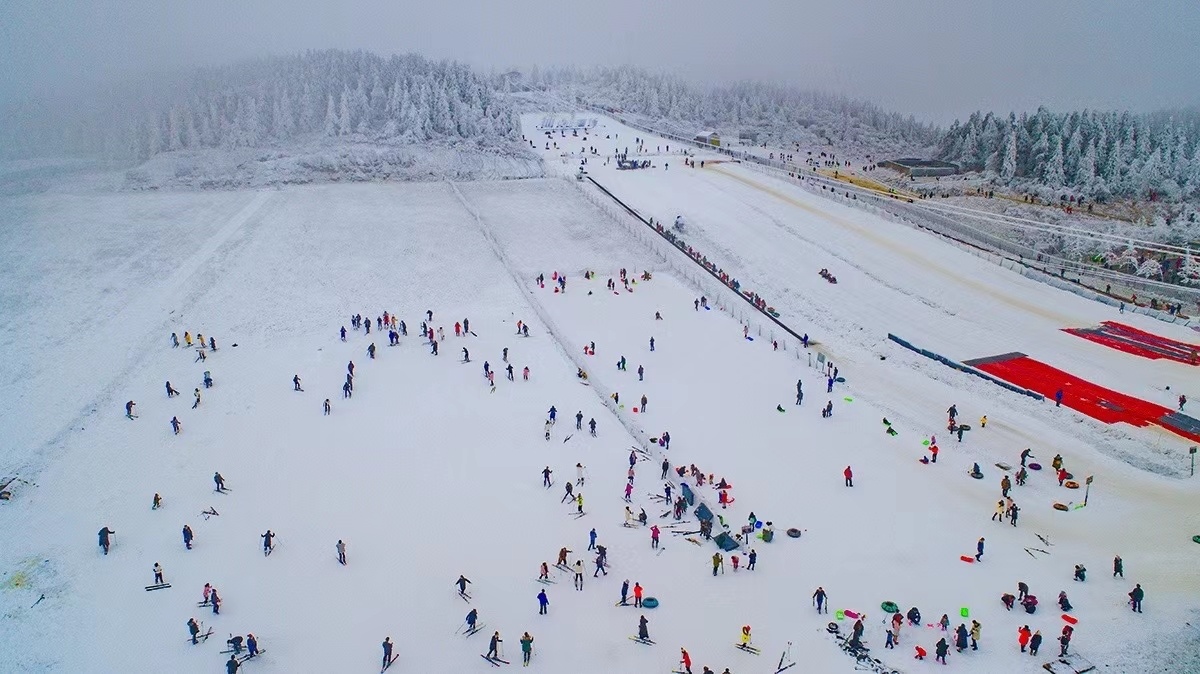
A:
941, 649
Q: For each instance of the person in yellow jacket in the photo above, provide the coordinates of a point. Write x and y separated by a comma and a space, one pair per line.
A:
187, 338
983, 421
579, 503
745, 635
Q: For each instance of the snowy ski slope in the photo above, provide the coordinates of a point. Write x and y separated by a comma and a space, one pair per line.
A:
426, 473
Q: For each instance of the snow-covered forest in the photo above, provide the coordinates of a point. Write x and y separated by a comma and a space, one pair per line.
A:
1099, 155
779, 113
355, 95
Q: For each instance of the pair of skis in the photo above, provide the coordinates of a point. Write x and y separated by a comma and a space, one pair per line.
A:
470, 632
202, 637
465, 597
496, 662
546, 581
389, 663
748, 648
157, 586
640, 640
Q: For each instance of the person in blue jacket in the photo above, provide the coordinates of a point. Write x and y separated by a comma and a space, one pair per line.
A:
543, 602
553, 413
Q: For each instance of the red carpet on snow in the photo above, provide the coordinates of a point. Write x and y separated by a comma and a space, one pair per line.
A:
1139, 342
1083, 396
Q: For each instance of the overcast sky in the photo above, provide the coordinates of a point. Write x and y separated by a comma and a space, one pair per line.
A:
936, 59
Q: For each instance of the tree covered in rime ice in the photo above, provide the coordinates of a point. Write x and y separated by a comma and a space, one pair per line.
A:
356, 95
1091, 153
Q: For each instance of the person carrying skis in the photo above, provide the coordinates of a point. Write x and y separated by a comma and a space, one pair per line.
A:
462, 583
526, 648
104, 538
387, 641
494, 647
543, 602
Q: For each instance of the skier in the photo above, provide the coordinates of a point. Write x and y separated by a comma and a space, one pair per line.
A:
526, 648
267, 538
504, 355
592, 426
327, 407
751, 559
625, 592
979, 550
472, 616
174, 341
579, 420
799, 392
387, 641
193, 626
562, 558
685, 660
129, 410
208, 589
652, 348
643, 629
462, 583
371, 350
628, 492
592, 539
347, 390
642, 371
654, 531
849, 475
158, 574
187, 338
104, 540
567, 495
546, 472
219, 481
543, 602
718, 562
553, 414
1135, 598
544, 572
215, 601
525, 373
1118, 567
508, 371
175, 425
197, 394
341, 552
494, 646
343, 333
579, 574
666, 467
171, 392
466, 354
187, 537
251, 646
579, 466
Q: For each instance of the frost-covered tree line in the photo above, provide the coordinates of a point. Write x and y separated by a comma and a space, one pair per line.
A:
1095, 154
778, 110
355, 95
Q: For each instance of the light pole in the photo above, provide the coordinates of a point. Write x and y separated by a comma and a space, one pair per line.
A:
1192, 451
1087, 489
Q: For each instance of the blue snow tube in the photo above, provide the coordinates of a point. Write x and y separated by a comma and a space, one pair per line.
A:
649, 602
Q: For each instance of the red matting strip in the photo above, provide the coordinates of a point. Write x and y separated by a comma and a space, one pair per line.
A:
1082, 395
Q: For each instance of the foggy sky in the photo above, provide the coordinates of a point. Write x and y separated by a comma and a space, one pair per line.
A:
936, 59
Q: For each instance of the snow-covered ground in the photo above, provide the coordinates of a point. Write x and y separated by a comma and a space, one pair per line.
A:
426, 473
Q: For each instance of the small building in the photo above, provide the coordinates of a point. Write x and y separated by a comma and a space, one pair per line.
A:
708, 138
919, 168
748, 136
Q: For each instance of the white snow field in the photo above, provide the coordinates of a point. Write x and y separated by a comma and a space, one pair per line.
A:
426, 473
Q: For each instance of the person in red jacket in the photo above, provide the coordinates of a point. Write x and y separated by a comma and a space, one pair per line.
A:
1062, 476
686, 660
849, 476
637, 594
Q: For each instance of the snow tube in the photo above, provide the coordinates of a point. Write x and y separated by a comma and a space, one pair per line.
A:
840, 380
650, 602
1071, 484
654, 441
793, 533
889, 607
1060, 506
832, 628
977, 476
1035, 466
1196, 538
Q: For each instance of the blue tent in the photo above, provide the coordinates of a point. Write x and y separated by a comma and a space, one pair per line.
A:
703, 513
687, 493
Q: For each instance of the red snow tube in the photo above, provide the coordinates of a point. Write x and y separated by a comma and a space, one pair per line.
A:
968, 559
1070, 618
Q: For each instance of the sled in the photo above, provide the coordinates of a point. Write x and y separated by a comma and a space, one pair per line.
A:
1003, 466
1061, 506
968, 559
1070, 618
853, 615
